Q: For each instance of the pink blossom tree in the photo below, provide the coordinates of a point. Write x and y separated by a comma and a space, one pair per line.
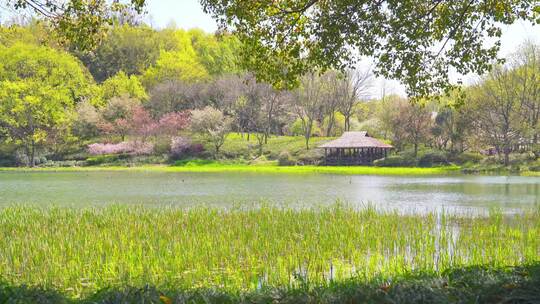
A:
171, 123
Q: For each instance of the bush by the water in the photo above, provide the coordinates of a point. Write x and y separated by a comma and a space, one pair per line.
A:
134, 148
433, 158
467, 158
183, 147
285, 159
396, 161
105, 159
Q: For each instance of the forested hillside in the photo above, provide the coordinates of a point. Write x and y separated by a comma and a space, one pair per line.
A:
159, 96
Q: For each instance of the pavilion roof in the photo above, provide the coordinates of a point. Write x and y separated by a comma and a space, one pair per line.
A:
359, 139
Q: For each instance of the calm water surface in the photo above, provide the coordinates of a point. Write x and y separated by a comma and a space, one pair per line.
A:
461, 193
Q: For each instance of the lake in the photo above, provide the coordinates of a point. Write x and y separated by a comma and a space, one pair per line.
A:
417, 194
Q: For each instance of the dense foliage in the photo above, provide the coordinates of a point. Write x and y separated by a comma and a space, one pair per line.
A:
416, 42
151, 92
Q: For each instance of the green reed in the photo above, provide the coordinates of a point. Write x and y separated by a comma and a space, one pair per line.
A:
83, 250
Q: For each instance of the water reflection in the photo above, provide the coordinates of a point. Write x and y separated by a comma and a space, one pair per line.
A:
450, 193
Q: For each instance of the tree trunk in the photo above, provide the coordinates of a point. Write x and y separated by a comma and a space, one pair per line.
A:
32, 154
217, 151
347, 123
307, 135
415, 149
330, 125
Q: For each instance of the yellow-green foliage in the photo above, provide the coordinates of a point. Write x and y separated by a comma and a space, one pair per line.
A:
268, 167
82, 250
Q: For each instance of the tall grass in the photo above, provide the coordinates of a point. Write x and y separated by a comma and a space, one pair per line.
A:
79, 251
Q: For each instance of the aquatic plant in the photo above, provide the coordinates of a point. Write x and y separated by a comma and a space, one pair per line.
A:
80, 251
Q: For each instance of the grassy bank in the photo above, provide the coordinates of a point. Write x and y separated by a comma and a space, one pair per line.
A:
78, 252
267, 168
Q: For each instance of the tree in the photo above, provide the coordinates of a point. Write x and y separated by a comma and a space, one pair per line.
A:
116, 115
266, 103
344, 92
497, 107
141, 125
80, 23
451, 127
123, 85
409, 123
354, 87
177, 60
39, 88
175, 65
332, 97
248, 107
171, 123
175, 95
272, 110
526, 64
128, 49
416, 124
218, 53
212, 124
31, 112
86, 125
413, 41
51, 67
308, 103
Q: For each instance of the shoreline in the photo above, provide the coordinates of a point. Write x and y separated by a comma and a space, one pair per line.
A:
356, 170
274, 169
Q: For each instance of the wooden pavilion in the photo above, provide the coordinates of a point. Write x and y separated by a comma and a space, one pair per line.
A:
354, 148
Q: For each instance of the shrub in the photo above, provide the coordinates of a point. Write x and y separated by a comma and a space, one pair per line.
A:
521, 158
195, 162
262, 160
285, 159
21, 158
468, 157
102, 149
142, 148
396, 161
535, 166
433, 158
182, 147
64, 163
7, 155
179, 147
491, 160
101, 159
162, 146
134, 148
310, 157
